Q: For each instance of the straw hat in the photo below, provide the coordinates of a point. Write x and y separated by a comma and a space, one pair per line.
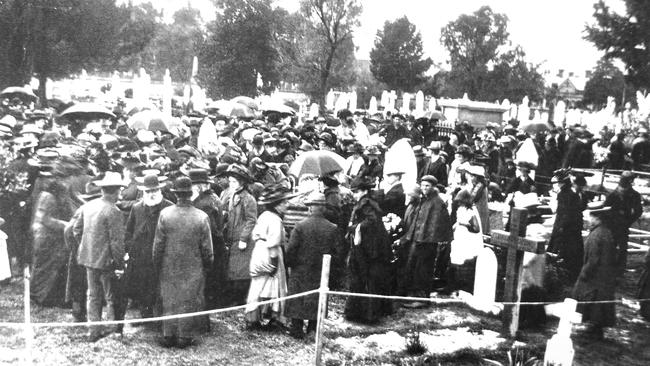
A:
598, 208
316, 198
111, 179
199, 176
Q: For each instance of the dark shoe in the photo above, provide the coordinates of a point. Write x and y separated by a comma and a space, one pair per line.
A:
167, 342
297, 333
254, 326
185, 342
95, 336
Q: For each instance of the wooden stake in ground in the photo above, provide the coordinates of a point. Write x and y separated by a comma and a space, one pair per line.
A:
29, 335
322, 306
516, 243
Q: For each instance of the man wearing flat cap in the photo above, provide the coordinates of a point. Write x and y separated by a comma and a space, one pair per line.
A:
429, 236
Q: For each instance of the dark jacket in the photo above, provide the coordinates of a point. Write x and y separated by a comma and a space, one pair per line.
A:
438, 169
394, 201
139, 235
432, 223
242, 216
312, 238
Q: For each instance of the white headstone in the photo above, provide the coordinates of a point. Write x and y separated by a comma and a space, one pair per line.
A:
329, 100
465, 96
391, 100
524, 111
353, 101
559, 349
419, 101
432, 104
385, 99
485, 279
168, 91
372, 107
559, 113
313, 111
406, 104
341, 102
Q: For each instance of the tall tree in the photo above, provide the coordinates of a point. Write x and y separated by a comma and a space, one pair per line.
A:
606, 81
513, 77
324, 58
625, 37
397, 58
239, 46
473, 41
173, 46
54, 38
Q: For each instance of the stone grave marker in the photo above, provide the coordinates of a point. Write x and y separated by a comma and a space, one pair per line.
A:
516, 244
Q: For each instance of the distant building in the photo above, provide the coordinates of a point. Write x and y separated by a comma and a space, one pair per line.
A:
570, 84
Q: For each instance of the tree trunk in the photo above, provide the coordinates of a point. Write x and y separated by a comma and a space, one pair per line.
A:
42, 90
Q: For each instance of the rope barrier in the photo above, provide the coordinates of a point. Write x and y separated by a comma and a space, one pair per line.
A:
160, 318
302, 294
450, 301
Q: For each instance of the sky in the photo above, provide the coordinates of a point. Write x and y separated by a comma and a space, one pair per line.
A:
550, 31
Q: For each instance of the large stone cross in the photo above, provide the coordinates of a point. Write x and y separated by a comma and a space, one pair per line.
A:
516, 243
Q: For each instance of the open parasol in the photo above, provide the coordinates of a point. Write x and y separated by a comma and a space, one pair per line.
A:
247, 101
534, 127
87, 111
317, 162
21, 92
275, 106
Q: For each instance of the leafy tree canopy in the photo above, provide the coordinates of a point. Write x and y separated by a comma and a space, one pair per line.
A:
397, 58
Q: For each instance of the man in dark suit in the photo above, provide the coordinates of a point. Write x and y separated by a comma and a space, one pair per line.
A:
394, 199
436, 164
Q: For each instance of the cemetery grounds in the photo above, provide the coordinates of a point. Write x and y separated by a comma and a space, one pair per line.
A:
452, 334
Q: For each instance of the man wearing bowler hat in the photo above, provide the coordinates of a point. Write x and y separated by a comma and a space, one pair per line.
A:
100, 232
204, 198
141, 283
182, 252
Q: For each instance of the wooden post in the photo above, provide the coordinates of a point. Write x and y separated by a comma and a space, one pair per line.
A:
516, 244
28, 332
322, 306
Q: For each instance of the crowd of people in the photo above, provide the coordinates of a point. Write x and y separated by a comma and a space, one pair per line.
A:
211, 215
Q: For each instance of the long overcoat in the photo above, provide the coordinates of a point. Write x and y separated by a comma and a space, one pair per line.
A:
312, 238
242, 215
140, 279
566, 237
369, 263
597, 279
182, 250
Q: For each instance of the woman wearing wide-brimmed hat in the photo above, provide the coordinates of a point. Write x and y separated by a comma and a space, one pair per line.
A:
242, 215
267, 270
566, 237
370, 256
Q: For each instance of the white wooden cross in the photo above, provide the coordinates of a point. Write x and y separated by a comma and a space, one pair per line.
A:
516, 244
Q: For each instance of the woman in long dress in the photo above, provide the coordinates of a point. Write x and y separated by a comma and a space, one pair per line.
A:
468, 239
370, 256
267, 270
52, 211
